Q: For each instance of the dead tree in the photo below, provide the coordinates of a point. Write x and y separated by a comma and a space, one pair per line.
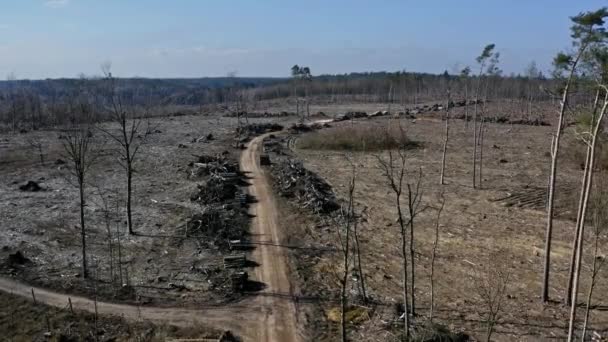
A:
492, 71
587, 29
481, 60
130, 136
414, 198
600, 219
355, 235
347, 216
447, 133
79, 150
395, 175
464, 74
492, 283
434, 254
37, 145
106, 208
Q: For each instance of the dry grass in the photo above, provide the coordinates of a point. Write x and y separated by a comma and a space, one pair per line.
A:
357, 138
22, 320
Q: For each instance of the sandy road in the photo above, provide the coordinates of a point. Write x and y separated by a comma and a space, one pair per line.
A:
269, 317
279, 321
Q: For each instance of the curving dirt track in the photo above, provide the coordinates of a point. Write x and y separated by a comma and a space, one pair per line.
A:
268, 317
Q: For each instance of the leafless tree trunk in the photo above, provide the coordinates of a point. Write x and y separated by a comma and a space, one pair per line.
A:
359, 263
466, 104
129, 137
581, 228
395, 175
348, 216
598, 261
446, 138
38, 146
475, 110
580, 205
552, 179
414, 197
78, 147
492, 284
481, 136
434, 255
107, 217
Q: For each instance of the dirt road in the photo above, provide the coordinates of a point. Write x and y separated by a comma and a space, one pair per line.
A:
269, 317
279, 321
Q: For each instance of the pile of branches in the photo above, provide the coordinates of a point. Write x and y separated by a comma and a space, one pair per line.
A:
207, 165
224, 214
295, 181
217, 225
258, 129
303, 128
259, 115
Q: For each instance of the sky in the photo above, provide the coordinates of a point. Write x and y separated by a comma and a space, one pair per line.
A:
205, 38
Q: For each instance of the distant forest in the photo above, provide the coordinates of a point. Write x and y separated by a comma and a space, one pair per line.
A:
32, 103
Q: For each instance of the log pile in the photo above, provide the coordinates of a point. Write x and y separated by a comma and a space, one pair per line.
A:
295, 181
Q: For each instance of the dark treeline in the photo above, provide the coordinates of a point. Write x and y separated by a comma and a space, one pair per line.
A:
408, 87
29, 105
32, 104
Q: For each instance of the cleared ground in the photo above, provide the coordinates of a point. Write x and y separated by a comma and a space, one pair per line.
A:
475, 225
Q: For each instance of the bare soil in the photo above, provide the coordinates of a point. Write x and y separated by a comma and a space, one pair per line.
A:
505, 217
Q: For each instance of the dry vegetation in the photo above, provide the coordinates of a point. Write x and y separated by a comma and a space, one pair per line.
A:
475, 223
21, 320
356, 137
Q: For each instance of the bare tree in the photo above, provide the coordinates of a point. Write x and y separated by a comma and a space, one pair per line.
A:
345, 227
492, 71
600, 219
492, 283
130, 136
393, 168
37, 145
464, 75
80, 151
434, 254
481, 60
447, 132
414, 198
587, 29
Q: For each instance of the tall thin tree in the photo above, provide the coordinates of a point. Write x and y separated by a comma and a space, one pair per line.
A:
130, 135
586, 30
79, 150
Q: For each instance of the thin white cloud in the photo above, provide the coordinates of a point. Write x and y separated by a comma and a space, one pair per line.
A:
56, 3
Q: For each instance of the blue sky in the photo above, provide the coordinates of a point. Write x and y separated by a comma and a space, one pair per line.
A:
194, 38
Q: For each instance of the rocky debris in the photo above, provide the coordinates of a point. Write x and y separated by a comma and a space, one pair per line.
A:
30, 186
182, 146
295, 181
